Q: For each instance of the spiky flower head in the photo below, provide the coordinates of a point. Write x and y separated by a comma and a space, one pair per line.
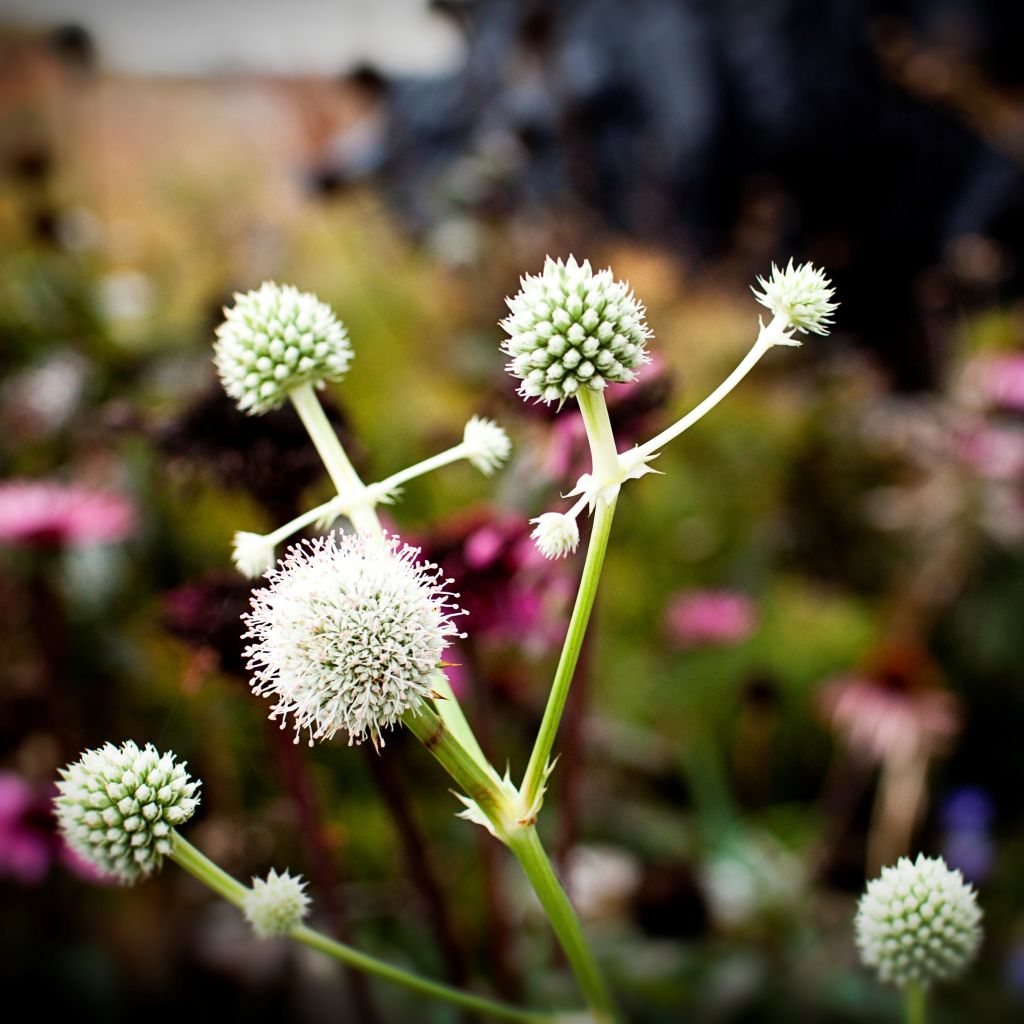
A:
555, 534
274, 339
487, 444
918, 922
348, 634
800, 296
275, 905
116, 807
252, 553
570, 328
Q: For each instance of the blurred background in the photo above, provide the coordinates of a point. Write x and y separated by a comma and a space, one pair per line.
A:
808, 656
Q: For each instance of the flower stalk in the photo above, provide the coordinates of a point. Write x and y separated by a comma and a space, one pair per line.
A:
915, 1000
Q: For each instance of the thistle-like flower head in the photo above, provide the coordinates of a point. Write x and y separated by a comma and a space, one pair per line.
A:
348, 634
277, 904
799, 295
274, 339
488, 444
252, 553
116, 807
918, 922
571, 328
555, 534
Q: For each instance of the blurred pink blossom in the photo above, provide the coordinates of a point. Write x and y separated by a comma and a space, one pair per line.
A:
710, 618
1002, 380
44, 513
994, 453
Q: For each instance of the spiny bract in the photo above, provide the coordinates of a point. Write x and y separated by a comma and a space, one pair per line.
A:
116, 807
275, 905
800, 296
571, 328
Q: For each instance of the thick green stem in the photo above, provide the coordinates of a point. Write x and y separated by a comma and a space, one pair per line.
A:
526, 845
533, 781
206, 871
450, 710
915, 1004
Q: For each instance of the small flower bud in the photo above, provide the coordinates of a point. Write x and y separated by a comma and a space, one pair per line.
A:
555, 534
571, 328
348, 634
918, 923
800, 296
252, 554
116, 807
488, 444
276, 905
274, 339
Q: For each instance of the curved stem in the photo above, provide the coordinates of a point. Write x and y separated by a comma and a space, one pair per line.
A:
526, 845
603, 453
533, 781
210, 874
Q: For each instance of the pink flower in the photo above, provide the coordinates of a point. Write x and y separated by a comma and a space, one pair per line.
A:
1002, 380
42, 513
710, 618
994, 453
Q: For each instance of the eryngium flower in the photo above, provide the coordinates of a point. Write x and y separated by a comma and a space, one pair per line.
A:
274, 339
487, 444
918, 923
571, 328
116, 807
348, 634
555, 534
800, 296
275, 906
252, 553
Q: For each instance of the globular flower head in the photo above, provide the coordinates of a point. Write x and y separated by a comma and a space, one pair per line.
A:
487, 444
116, 807
918, 922
800, 296
555, 534
252, 553
348, 634
274, 339
277, 904
570, 328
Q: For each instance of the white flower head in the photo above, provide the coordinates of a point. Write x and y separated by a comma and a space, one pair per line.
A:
274, 339
116, 807
918, 922
276, 905
252, 553
570, 328
488, 445
555, 534
799, 295
348, 634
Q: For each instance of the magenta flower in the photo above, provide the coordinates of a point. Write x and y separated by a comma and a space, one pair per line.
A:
1002, 380
993, 452
41, 513
710, 618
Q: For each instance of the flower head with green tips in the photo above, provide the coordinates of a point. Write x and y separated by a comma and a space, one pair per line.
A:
116, 807
571, 328
800, 296
918, 922
273, 340
487, 445
275, 905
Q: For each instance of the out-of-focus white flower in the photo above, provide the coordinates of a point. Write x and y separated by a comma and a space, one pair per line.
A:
252, 553
277, 904
487, 444
555, 534
799, 295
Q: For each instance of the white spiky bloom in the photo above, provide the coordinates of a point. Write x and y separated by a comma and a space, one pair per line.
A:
918, 922
348, 634
116, 807
274, 339
277, 904
800, 296
571, 328
555, 534
488, 445
252, 553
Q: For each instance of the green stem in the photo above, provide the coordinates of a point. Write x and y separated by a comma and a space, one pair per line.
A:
914, 1004
450, 710
603, 453
444, 458
526, 845
533, 781
210, 874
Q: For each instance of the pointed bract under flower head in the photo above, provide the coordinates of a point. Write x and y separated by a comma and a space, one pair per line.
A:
488, 444
348, 634
116, 807
274, 339
799, 295
918, 922
555, 534
252, 553
570, 328
276, 905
